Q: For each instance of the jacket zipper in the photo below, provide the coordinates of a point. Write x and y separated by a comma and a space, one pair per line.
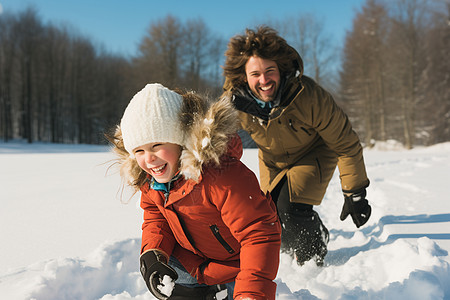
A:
166, 193
215, 231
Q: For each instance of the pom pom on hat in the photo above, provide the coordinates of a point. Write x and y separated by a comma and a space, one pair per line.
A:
152, 116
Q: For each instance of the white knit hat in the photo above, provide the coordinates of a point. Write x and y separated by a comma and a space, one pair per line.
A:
152, 116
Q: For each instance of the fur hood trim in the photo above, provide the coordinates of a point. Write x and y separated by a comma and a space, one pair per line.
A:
208, 126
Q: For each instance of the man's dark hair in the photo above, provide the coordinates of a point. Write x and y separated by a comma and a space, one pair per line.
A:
264, 43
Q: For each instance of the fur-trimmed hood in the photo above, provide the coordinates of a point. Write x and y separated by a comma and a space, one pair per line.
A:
207, 124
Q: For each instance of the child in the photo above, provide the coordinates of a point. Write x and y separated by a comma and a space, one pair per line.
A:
207, 225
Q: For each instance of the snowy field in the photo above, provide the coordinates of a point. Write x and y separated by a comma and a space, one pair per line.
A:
66, 235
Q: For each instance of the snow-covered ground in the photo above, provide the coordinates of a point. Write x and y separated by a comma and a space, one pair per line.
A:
66, 235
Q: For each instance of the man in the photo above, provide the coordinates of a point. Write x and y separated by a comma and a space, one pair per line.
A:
301, 134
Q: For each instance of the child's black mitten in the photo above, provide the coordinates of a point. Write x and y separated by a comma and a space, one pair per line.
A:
357, 206
153, 268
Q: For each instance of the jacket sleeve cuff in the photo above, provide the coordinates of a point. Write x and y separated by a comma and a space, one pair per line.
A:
156, 250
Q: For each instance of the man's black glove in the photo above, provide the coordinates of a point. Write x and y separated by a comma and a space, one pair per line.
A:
153, 268
357, 206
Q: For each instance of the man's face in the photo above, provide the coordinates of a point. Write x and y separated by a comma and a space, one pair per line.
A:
263, 77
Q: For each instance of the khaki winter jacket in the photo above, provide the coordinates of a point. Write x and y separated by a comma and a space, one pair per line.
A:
303, 138
215, 220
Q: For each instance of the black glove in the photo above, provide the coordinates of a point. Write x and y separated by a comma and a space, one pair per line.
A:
153, 268
357, 206
208, 292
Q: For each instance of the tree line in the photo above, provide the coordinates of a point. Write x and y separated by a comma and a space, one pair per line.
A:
59, 86
55, 85
395, 77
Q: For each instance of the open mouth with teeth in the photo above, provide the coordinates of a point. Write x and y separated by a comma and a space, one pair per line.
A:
159, 170
266, 88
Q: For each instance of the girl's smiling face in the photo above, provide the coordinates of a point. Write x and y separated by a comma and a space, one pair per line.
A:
160, 160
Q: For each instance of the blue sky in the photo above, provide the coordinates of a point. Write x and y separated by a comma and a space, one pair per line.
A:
120, 25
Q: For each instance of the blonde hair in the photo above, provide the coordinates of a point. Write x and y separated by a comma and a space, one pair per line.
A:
130, 171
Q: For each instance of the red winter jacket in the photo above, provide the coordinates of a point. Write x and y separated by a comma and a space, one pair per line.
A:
224, 219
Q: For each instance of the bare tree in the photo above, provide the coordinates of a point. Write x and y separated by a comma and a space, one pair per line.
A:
307, 34
28, 33
196, 49
7, 58
214, 71
55, 80
363, 77
202, 55
409, 23
161, 50
114, 91
434, 83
